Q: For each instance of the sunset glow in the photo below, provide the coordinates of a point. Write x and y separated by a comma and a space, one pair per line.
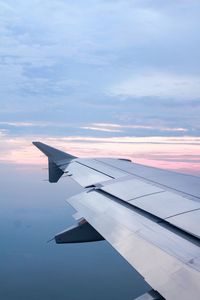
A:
181, 154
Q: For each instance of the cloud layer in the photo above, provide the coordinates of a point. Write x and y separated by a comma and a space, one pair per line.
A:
99, 69
159, 86
181, 154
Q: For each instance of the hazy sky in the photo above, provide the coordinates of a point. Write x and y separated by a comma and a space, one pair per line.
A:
87, 75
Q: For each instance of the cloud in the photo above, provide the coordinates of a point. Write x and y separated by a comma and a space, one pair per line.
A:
109, 127
134, 140
172, 153
159, 85
3, 133
32, 124
100, 129
159, 128
18, 124
103, 127
68, 66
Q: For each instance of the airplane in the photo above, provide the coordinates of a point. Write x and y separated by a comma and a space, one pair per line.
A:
150, 216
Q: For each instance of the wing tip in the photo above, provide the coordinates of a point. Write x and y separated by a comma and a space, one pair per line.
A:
53, 153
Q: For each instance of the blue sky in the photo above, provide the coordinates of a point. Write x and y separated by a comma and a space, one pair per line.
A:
98, 69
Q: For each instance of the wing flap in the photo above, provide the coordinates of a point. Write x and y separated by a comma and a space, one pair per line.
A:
130, 188
188, 221
165, 205
183, 183
176, 208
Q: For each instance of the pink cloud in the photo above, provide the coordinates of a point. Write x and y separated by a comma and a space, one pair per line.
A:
180, 154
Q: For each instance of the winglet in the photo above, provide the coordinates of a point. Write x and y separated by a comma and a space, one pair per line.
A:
53, 153
56, 159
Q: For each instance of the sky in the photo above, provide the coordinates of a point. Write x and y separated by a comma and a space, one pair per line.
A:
101, 78
93, 78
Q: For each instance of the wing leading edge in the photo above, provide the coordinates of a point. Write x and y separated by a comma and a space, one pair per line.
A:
150, 216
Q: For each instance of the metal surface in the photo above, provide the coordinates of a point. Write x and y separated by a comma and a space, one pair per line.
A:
101, 167
130, 189
181, 182
156, 201
189, 222
138, 210
80, 233
165, 260
54, 171
144, 227
151, 295
84, 175
77, 216
55, 159
164, 205
53, 153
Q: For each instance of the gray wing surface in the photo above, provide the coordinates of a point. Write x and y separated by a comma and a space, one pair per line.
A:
150, 216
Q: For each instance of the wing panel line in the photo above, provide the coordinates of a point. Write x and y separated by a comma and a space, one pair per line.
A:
152, 181
162, 222
184, 212
80, 163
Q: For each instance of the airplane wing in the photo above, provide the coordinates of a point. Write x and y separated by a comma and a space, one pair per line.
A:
150, 216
